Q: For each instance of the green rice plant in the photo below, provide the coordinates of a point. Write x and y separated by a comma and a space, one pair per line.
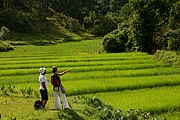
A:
13, 80
122, 73
94, 57
49, 63
15, 72
156, 100
114, 67
84, 67
99, 85
78, 87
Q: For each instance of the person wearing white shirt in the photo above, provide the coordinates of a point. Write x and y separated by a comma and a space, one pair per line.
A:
43, 86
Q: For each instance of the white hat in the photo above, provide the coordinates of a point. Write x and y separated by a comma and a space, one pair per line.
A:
42, 70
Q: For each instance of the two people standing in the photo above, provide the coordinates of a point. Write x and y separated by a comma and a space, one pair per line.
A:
58, 89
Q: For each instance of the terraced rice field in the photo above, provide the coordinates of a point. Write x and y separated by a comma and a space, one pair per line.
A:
123, 80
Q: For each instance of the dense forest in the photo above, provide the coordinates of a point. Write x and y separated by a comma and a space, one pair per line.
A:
125, 25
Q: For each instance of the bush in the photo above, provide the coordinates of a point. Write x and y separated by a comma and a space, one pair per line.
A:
168, 57
4, 47
115, 41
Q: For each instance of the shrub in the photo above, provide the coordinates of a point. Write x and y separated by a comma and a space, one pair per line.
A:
115, 41
168, 57
4, 47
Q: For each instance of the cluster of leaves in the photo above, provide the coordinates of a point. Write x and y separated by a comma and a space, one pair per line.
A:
4, 46
102, 111
149, 25
170, 58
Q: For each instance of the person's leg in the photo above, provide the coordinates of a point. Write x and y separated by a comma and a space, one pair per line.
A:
56, 100
64, 100
44, 95
44, 103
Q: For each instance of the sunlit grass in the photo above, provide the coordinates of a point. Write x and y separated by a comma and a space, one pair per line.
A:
156, 100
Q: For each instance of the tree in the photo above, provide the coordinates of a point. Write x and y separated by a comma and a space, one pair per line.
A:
173, 34
146, 24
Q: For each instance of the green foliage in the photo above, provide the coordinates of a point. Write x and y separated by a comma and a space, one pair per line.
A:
102, 111
23, 23
27, 92
168, 57
98, 24
68, 22
4, 46
146, 24
173, 35
115, 41
25, 16
174, 17
8, 89
173, 38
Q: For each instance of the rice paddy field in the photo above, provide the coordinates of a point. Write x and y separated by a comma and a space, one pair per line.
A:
131, 80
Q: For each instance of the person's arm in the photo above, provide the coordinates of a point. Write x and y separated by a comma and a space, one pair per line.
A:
52, 80
60, 74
